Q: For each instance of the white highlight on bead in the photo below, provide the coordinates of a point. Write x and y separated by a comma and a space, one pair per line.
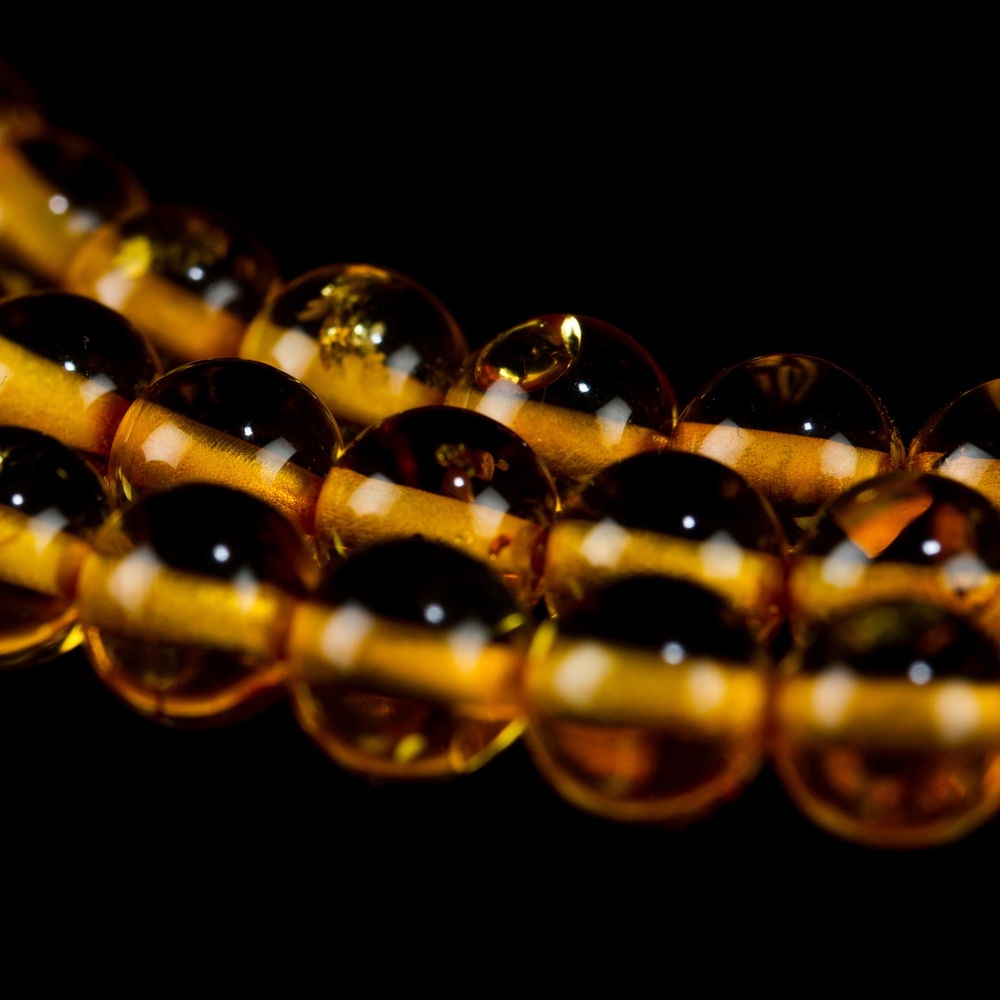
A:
58, 204
221, 293
957, 712
488, 512
845, 566
721, 556
167, 443
466, 642
839, 458
725, 443
968, 464
581, 673
273, 457
831, 695
919, 672
82, 220
501, 401
95, 388
113, 288
965, 572
132, 579
604, 544
673, 652
43, 526
707, 685
247, 589
374, 497
294, 352
400, 365
345, 630
613, 417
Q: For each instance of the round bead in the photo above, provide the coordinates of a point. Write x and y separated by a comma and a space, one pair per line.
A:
887, 725
55, 188
51, 504
580, 392
368, 341
190, 279
405, 665
187, 600
69, 367
800, 429
448, 475
231, 422
648, 701
675, 514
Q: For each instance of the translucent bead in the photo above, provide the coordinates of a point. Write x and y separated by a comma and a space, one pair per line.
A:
676, 514
405, 664
69, 367
190, 279
187, 600
55, 188
901, 535
231, 422
368, 341
20, 112
448, 475
51, 504
800, 429
888, 726
647, 703
580, 392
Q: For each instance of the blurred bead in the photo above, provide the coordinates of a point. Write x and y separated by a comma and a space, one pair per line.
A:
56, 188
405, 665
647, 703
800, 429
51, 504
676, 514
368, 341
233, 423
187, 600
20, 111
69, 368
448, 475
190, 279
580, 392
887, 726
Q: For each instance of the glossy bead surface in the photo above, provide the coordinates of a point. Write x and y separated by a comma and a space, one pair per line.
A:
231, 422
887, 725
405, 664
368, 341
448, 475
187, 600
648, 701
69, 367
800, 429
672, 513
51, 504
580, 392
190, 279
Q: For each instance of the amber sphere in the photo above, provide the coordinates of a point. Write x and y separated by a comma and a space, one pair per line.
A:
405, 663
580, 392
676, 514
800, 429
887, 725
69, 367
448, 475
647, 702
187, 599
55, 189
368, 341
190, 279
231, 422
51, 505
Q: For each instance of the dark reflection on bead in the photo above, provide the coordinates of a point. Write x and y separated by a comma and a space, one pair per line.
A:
20, 111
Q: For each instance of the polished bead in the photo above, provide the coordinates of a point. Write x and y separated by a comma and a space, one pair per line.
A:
190, 279
647, 702
887, 725
69, 367
368, 341
186, 602
405, 664
51, 504
449, 475
231, 422
580, 392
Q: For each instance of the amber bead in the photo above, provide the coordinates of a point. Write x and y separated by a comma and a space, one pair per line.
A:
580, 392
187, 599
190, 279
405, 663
676, 514
231, 422
69, 367
800, 429
448, 475
887, 725
368, 341
647, 702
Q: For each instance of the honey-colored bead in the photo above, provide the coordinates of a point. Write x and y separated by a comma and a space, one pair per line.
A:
188, 278
580, 392
368, 341
887, 725
448, 475
647, 702
405, 664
